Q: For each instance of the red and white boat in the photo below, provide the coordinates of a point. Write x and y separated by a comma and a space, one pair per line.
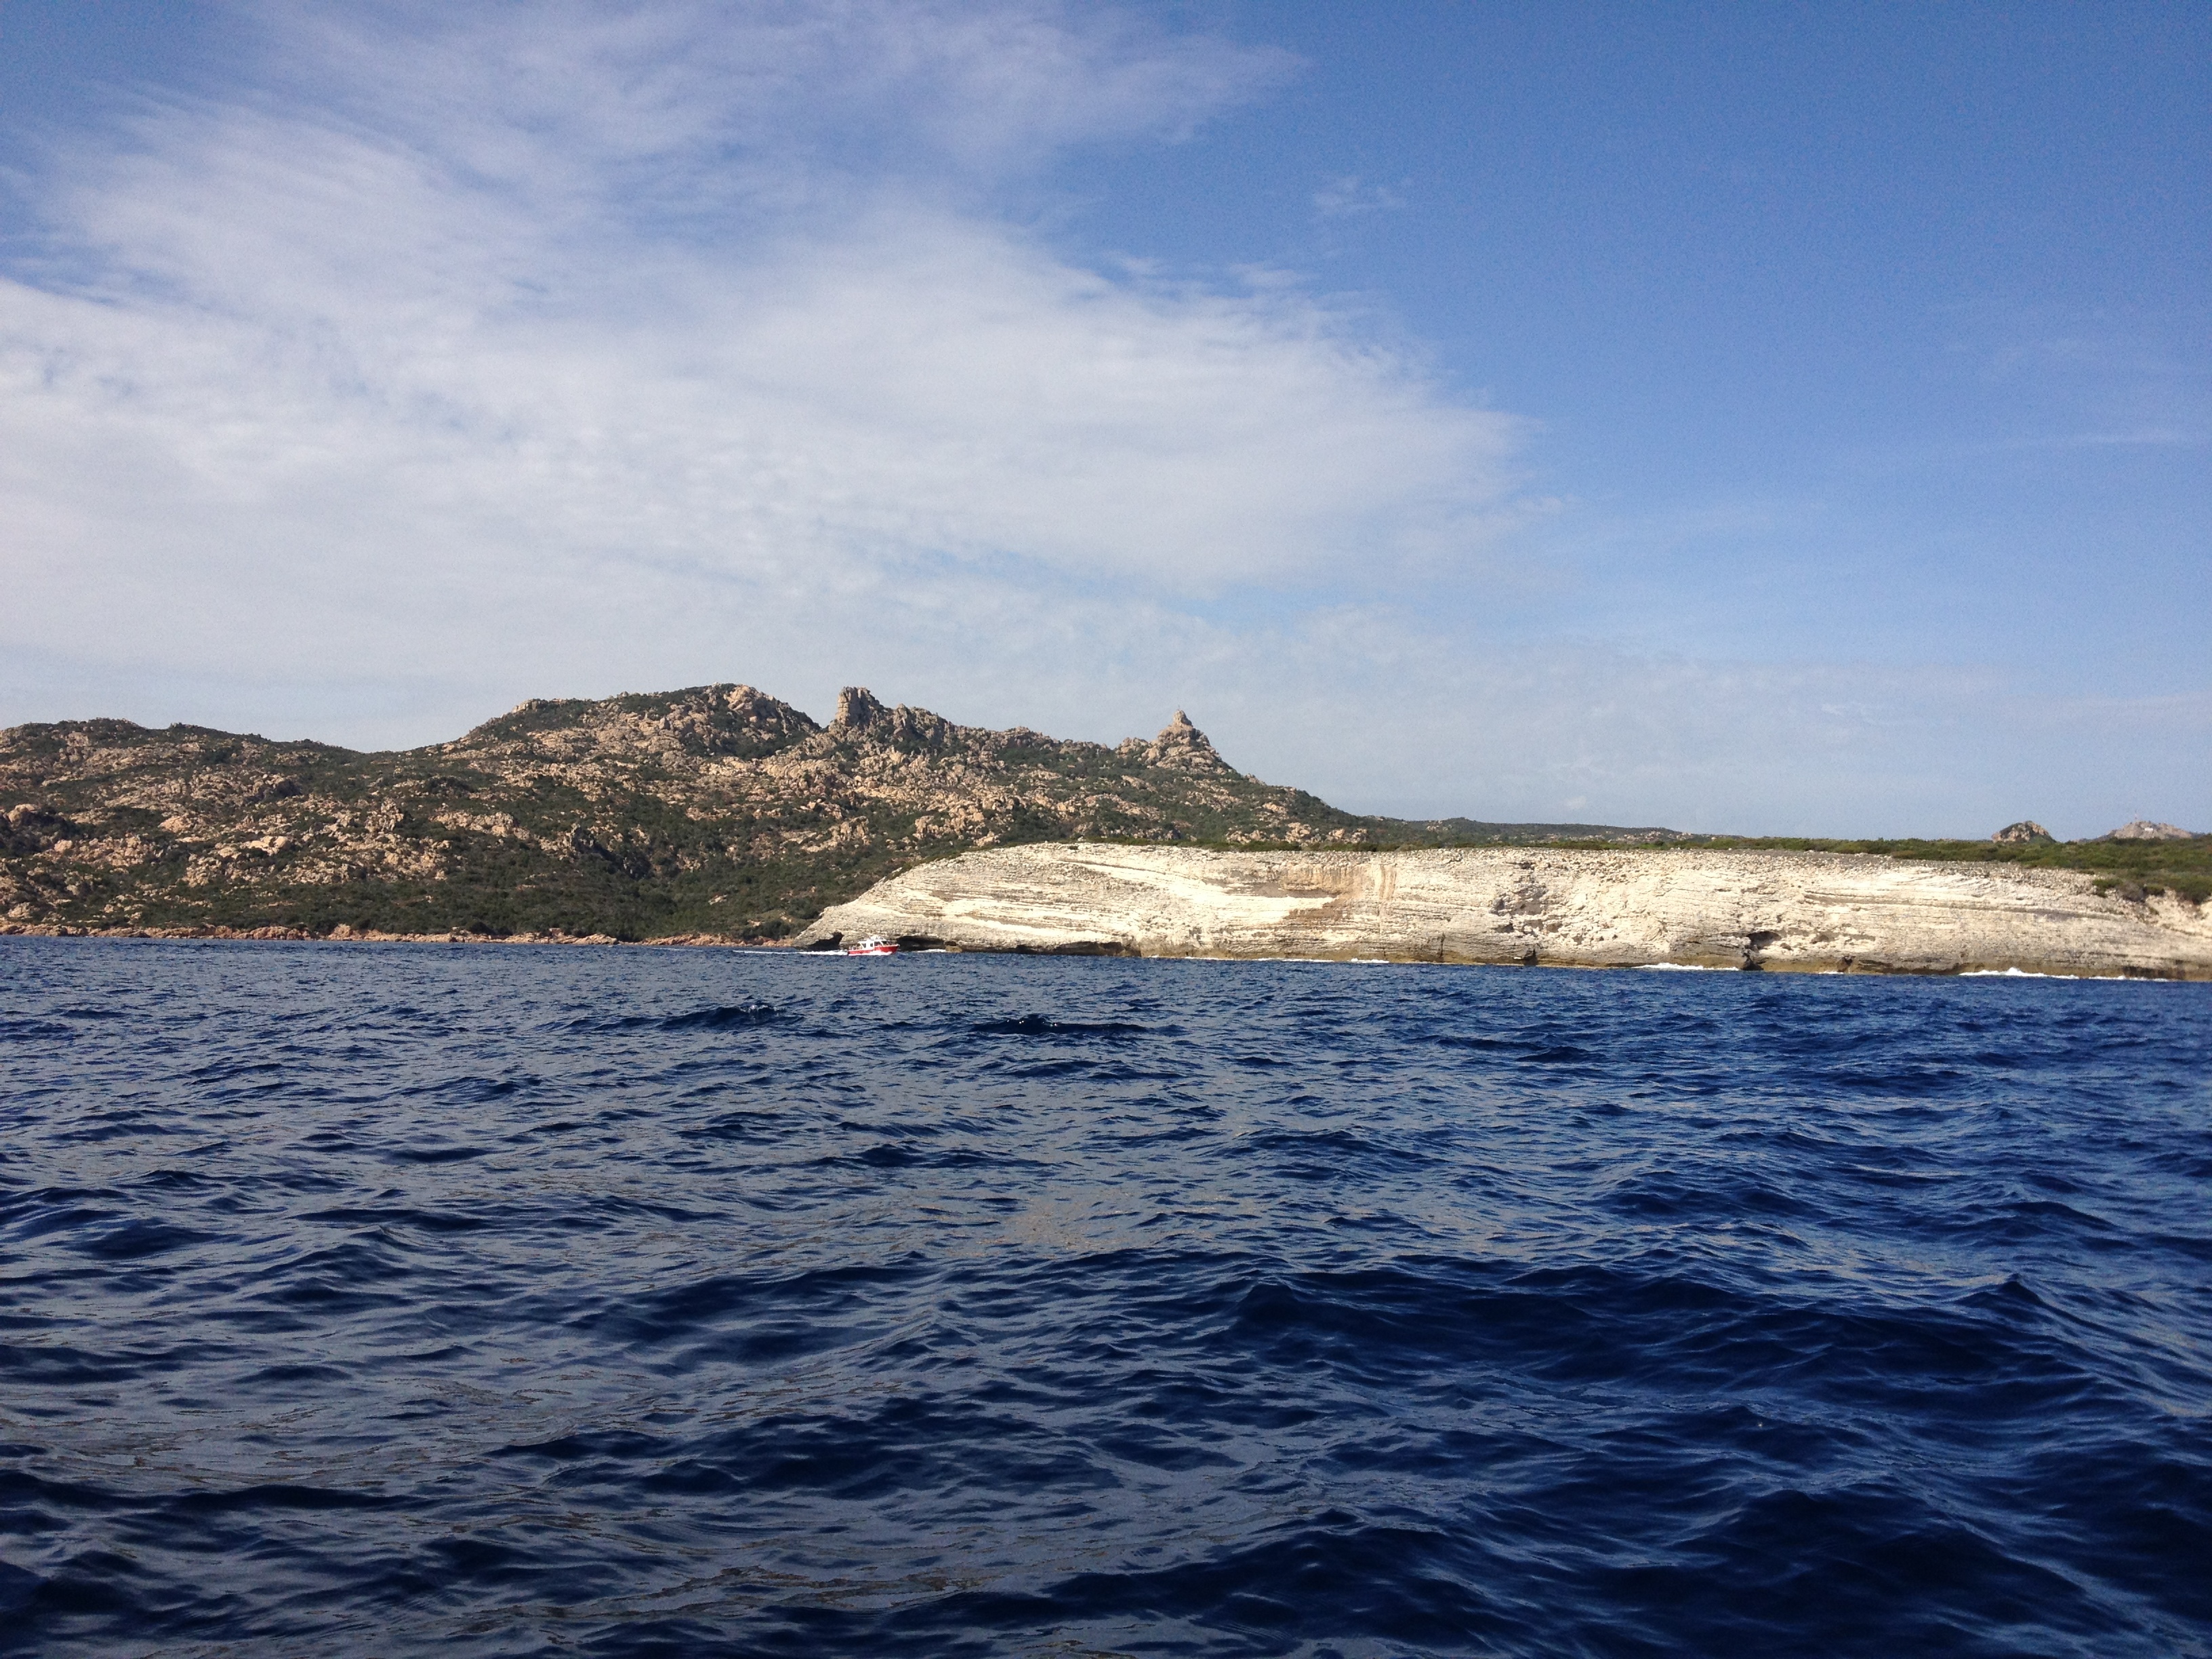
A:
874, 945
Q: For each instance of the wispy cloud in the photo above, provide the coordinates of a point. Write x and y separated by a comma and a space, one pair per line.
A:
1350, 195
451, 355
2140, 437
453, 308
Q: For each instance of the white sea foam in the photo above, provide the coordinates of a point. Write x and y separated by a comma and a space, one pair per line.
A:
2024, 973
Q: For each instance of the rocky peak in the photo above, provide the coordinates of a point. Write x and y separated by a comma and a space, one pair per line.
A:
2026, 831
858, 709
860, 715
1180, 746
2146, 830
750, 722
735, 721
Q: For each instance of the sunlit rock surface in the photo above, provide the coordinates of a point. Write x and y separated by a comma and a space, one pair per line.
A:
2148, 830
1811, 912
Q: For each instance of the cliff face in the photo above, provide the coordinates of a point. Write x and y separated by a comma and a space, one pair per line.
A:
716, 811
1802, 911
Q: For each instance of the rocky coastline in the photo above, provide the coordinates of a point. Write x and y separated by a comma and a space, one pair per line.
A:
1689, 908
720, 816
715, 812
343, 934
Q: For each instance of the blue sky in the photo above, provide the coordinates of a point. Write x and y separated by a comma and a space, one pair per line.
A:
1770, 418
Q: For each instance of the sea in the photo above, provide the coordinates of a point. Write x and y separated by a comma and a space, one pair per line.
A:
383, 1299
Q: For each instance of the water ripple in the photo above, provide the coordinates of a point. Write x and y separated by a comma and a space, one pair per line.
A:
499, 1301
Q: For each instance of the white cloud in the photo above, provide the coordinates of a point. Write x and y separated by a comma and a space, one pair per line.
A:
1349, 195
666, 85
458, 356
412, 334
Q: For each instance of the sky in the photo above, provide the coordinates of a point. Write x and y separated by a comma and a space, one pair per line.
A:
1764, 418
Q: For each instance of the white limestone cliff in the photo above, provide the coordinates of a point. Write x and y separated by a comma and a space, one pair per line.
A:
1794, 911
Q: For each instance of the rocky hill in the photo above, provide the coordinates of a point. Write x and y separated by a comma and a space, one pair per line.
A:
715, 811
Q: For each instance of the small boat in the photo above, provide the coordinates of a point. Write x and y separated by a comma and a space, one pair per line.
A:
874, 945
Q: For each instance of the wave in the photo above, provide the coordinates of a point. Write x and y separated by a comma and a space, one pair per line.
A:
498, 1303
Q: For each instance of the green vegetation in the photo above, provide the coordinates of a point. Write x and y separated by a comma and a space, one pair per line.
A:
2130, 868
715, 811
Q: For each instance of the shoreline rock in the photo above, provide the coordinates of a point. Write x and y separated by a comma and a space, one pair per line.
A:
343, 935
1792, 912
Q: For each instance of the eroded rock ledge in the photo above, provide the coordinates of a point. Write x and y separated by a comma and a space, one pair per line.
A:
1804, 912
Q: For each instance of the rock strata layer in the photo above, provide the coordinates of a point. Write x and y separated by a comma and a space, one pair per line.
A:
1805, 912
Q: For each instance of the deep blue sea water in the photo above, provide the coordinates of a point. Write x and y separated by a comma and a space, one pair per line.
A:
486, 1300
